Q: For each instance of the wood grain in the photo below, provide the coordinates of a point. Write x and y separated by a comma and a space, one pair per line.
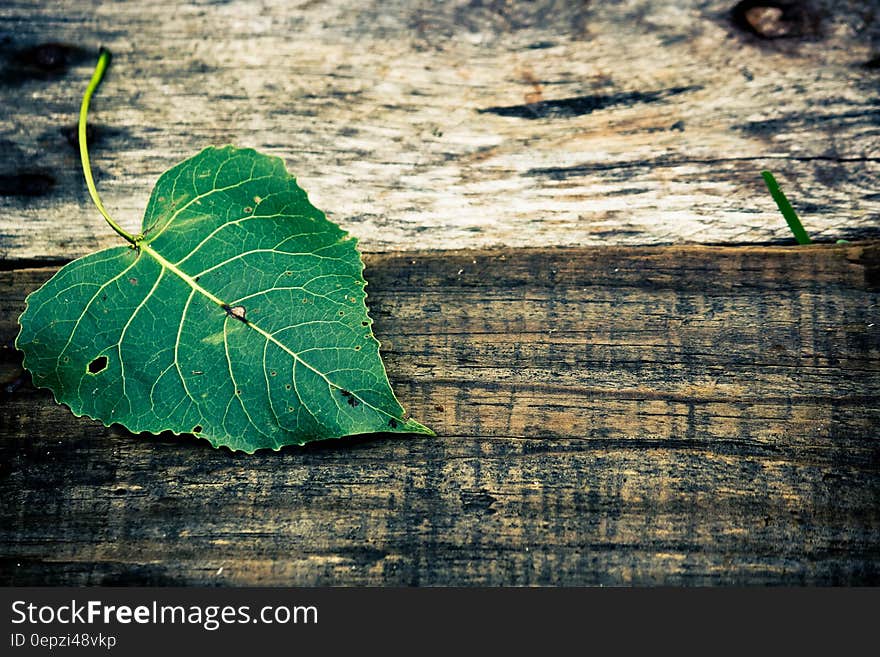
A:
686, 415
425, 124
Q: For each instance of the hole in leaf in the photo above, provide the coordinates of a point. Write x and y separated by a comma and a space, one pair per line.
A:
357, 348
287, 387
98, 365
248, 210
341, 314
197, 428
273, 373
365, 323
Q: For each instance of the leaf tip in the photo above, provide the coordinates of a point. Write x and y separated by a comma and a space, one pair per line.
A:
411, 426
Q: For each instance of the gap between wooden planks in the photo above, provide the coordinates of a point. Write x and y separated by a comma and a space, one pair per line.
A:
687, 415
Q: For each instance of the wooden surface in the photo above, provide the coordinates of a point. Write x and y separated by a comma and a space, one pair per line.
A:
611, 412
425, 124
668, 415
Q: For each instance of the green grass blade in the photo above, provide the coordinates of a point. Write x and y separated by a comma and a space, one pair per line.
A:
785, 208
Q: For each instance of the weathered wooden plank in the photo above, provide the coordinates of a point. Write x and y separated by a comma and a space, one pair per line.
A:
453, 124
605, 416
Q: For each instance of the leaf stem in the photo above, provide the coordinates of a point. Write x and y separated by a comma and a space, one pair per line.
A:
800, 234
97, 76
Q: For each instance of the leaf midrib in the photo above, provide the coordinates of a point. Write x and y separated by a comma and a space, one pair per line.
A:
189, 280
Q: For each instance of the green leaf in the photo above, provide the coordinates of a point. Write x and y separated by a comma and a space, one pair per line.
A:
238, 315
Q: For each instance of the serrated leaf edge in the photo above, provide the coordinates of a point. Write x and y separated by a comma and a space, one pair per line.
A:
143, 244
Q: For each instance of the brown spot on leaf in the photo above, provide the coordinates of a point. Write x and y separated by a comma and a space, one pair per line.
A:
238, 312
776, 19
133, 280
